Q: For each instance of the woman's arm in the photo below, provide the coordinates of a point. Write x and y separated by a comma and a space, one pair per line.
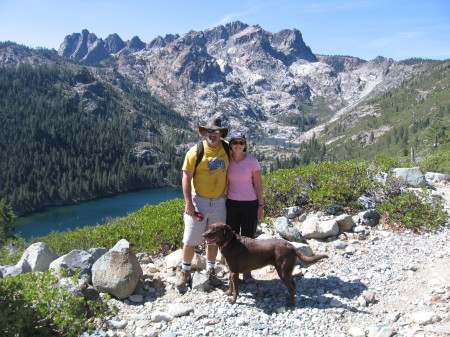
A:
257, 182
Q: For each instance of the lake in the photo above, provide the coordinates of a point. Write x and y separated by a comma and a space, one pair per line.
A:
91, 213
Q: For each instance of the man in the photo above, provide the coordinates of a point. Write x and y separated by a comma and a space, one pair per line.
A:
204, 187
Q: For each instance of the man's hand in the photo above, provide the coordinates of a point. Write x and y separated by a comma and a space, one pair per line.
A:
189, 209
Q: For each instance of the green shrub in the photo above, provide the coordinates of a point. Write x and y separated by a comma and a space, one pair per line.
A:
383, 163
316, 185
283, 188
153, 228
339, 183
413, 210
12, 250
438, 160
31, 305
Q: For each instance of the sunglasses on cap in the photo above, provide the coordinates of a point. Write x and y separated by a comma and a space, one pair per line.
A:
212, 131
237, 143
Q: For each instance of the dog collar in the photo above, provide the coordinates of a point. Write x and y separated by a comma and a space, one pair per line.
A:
226, 243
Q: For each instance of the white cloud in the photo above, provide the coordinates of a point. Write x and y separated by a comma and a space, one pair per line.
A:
230, 17
394, 39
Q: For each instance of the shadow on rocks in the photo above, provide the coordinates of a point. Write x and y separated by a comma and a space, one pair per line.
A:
321, 293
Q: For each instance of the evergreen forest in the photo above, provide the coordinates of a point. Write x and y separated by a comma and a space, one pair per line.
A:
56, 148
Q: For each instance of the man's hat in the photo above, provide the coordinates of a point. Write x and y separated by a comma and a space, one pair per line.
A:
214, 124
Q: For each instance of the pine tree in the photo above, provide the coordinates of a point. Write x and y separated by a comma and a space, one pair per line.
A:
437, 131
6, 219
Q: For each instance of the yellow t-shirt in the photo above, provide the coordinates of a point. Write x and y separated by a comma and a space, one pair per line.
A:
210, 178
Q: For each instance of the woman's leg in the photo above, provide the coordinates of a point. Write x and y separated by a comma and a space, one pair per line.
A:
249, 218
234, 215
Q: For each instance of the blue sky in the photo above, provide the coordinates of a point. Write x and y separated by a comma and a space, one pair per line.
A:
391, 28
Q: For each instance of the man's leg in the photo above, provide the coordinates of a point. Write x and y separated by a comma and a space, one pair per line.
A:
185, 274
211, 252
188, 253
217, 214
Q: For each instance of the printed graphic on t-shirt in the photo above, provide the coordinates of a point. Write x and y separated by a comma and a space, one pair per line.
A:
215, 163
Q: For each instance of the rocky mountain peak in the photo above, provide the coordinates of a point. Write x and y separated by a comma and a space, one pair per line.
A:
251, 77
113, 43
87, 47
235, 27
291, 44
135, 44
160, 42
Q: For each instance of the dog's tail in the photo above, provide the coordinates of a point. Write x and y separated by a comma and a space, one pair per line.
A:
309, 259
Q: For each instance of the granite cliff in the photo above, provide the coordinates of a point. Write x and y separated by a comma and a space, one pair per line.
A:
256, 80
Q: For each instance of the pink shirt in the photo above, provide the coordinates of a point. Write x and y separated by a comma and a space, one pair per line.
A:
240, 179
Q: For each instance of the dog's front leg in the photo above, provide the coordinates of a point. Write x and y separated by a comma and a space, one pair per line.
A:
234, 286
230, 286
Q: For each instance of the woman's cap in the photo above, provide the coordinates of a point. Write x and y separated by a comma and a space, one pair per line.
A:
237, 135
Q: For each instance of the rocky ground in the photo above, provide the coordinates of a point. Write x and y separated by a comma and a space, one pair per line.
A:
377, 285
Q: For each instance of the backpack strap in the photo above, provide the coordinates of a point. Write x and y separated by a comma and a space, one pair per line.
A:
226, 148
200, 152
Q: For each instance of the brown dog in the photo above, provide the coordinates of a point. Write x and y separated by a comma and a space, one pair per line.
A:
244, 254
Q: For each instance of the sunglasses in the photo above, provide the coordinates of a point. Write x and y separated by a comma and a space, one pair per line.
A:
237, 143
212, 131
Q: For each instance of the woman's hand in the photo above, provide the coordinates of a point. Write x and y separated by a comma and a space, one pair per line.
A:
260, 213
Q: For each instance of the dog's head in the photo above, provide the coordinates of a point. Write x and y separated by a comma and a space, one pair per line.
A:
218, 233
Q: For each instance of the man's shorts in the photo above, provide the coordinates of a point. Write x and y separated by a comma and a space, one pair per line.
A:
212, 209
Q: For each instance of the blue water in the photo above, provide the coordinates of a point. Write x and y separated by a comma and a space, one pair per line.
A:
91, 213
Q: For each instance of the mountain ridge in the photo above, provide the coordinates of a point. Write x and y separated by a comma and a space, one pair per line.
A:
270, 85
250, 77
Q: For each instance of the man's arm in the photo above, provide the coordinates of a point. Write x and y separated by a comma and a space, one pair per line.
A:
187, 192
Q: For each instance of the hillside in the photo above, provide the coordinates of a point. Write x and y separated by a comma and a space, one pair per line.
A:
107, 116
394, 122
73, 135
391, 123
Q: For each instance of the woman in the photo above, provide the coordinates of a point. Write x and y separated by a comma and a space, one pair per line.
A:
245, 200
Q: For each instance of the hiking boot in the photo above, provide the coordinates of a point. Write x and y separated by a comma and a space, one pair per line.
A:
248, 278
212, 277
184, 277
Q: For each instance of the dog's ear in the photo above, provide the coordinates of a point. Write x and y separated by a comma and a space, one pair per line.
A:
227, 231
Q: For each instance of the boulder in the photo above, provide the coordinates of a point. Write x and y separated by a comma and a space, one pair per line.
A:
287, 230
173, 260
433, 177
39, 256
200, 281
332, 209
411, 175
76, 260
369, 217
367, 201
345, 222
313, 228
21, 267
117, 273
121, 244
304, 248
97, 252
292, 212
